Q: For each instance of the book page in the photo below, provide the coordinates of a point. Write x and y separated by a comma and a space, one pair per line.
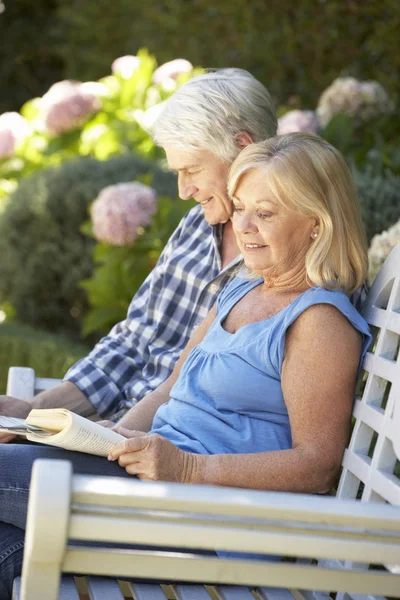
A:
81, 435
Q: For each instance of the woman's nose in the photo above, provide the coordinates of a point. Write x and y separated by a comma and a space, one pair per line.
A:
244, 223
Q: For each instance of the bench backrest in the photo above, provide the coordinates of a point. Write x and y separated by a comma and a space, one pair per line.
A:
371, 463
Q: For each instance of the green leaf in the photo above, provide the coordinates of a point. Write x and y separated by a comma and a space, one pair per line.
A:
99, 319
339, 132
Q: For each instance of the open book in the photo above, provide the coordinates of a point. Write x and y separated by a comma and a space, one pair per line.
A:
63, 428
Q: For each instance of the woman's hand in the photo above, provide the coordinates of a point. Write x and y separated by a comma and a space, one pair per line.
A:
153, 458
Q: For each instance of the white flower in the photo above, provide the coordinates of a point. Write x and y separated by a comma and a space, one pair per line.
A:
66, 105
170, 71
298, 120
121, 210
360, 99
147, 118
125, 65
13, 130
381, 246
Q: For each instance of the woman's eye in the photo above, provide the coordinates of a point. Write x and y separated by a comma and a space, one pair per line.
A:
237, 209
264, 216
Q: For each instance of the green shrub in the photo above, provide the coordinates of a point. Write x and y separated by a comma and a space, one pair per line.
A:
379, 195
373, 145
23, 346
44, 253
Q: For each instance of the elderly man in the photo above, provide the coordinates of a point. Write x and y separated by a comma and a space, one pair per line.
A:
202, 128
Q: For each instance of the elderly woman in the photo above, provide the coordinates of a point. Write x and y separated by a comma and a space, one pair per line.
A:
262, 395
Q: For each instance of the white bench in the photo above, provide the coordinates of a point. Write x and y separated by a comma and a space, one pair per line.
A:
356, 544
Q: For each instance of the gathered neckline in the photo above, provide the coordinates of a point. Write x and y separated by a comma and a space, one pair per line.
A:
256, 283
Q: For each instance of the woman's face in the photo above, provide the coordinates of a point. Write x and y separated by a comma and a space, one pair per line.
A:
272, 239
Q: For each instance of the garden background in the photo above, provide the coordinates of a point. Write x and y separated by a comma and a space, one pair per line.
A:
86, 204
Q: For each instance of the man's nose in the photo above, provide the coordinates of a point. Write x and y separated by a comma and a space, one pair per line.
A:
186, 190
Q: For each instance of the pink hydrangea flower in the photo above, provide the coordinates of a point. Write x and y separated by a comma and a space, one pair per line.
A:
13, 129
360, 99
7, 144
125, 65
66, 105
298, 120
171, 70
121, 210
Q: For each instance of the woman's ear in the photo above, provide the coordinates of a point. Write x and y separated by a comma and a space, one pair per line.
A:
315, 227
243, 139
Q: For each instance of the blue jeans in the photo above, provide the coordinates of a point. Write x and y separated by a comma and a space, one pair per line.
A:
16, 462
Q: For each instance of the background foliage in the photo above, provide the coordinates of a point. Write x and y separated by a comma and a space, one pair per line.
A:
53, 274
50, 355
40, 276
286, 45
29, 61
114, 130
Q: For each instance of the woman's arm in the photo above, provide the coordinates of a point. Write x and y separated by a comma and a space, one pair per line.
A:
319, 373
141, 416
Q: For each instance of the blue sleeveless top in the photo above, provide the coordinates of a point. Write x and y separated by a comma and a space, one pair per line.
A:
228, 397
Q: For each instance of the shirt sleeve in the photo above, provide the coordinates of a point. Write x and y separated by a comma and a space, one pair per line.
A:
104, 375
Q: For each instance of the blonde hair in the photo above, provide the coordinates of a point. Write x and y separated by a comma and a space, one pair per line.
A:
309, 176
211, 109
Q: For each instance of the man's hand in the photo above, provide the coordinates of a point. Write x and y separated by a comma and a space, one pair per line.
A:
151, 457
12, 407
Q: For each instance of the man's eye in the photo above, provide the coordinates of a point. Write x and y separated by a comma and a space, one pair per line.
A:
193, 172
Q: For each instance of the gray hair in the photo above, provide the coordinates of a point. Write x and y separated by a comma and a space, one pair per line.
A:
210, 110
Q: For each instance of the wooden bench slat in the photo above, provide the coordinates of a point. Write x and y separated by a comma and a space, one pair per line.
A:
17, 588
103, 588
233, 592
147, 591
68, 590
191, 592
268, 593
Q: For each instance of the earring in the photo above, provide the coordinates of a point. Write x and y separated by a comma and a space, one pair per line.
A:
314, 235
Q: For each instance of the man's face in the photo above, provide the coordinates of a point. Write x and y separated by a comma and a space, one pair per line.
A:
202, 176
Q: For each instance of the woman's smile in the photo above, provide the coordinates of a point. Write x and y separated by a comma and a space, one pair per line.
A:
248, 246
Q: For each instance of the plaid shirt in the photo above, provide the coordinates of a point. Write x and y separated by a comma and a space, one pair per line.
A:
139, 353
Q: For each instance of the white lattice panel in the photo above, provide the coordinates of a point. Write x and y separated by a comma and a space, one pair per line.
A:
371, 464
372, 461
